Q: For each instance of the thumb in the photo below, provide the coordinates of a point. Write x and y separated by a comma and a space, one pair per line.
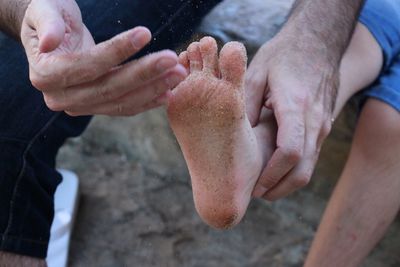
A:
51, 34
47, 20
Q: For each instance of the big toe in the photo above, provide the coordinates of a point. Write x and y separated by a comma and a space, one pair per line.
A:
233, 62
209, 53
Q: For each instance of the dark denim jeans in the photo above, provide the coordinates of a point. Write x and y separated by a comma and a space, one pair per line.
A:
31, 134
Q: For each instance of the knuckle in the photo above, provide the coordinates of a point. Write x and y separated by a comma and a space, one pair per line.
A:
326, 129
143, 74
39, 83
104, 92
291, 154
53, 104
46, 77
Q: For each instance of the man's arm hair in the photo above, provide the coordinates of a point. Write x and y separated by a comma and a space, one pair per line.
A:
11, 15
327, 22
322, 30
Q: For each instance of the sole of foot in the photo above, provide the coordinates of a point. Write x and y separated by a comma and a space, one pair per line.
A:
207, 115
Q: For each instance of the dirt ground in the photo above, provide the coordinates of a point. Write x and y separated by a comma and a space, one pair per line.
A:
136, 206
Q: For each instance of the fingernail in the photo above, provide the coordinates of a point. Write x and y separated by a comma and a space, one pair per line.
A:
139, 39
173, 80
259, 191
166, 63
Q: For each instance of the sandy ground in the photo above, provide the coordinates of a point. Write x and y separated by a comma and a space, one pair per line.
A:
136, 206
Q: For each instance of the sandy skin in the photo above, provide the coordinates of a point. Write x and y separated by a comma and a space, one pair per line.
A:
223, 152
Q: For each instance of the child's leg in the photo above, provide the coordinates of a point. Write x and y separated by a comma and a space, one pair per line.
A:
366, 198
361, 65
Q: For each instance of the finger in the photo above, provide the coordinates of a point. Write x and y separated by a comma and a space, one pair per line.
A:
266, 133
300, 176
77, 68
151, 105
111, 53
129, 104
116, 83
209, 53
290, 147
233, 62
48, 22
194, 55
51, 32
120, 48
255, 86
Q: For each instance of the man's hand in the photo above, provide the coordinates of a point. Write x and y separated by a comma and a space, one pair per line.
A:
301, 91
82, 78
296, 75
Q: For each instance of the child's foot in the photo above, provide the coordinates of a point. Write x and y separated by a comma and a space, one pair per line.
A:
207, 115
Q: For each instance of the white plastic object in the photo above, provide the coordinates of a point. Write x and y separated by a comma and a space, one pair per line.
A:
65, 205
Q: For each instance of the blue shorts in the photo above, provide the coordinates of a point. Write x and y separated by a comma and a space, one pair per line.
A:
382, 18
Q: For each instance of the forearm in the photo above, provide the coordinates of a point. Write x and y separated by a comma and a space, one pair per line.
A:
325, 26
11, 15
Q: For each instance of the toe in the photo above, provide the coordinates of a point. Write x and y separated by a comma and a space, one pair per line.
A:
194, 55
209, 51
184, 60
233, 63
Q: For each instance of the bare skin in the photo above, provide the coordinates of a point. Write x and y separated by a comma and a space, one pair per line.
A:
208, 116
365, 200
12, 260
80, 77
360, 66
296, 74
224, 154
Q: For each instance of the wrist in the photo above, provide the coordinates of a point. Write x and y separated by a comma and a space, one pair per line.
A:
12, 14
